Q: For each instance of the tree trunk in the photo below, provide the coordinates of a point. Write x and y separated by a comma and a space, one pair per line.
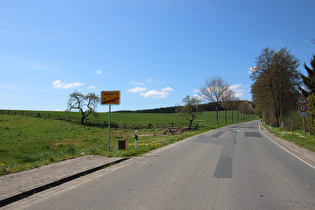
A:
232, 115
190, 123
216, 114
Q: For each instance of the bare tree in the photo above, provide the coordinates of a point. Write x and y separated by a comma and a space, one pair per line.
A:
216, 91
245, 107
86, 104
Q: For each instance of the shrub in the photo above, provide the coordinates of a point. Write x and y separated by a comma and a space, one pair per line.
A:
310, 120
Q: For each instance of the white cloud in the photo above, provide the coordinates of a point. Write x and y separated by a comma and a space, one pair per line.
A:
92, 87
238, 90
199, 97
233, 87
167, 89
157, 94
136, 83
149, 80
98, 72
61, 85
137, 89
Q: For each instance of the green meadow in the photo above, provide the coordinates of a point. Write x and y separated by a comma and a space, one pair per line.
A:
30, 139
296, 136
129, 119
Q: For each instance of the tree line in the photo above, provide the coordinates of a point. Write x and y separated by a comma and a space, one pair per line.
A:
173, 109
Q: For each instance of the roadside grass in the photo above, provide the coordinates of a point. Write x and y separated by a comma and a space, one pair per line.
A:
28, 142
296, 136
132, 119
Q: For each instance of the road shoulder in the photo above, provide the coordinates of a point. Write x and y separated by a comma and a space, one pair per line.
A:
303, 154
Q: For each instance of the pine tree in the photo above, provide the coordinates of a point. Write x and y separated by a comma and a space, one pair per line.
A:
309, 80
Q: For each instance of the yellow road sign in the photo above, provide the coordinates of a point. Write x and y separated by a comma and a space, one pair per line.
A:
110, 97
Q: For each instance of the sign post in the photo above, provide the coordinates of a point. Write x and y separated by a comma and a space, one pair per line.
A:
303, 107
304, 128
110, 98
109, 127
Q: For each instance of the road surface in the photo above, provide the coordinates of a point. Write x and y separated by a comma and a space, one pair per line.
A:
234, 167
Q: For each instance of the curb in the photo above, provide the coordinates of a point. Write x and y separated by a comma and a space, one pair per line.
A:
46, 186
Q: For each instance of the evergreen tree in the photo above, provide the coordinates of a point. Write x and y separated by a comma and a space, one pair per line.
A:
309, 80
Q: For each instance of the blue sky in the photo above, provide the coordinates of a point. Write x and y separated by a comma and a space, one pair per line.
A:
156, 52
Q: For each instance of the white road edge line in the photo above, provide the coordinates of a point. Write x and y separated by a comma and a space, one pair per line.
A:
287, 150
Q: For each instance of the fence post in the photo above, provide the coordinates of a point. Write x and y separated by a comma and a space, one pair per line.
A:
232, 115
161, 137
238, 116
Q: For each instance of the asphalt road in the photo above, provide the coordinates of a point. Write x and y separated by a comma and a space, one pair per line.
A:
235, 167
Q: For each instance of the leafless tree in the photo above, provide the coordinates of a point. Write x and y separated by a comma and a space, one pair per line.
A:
86, 104
216, 90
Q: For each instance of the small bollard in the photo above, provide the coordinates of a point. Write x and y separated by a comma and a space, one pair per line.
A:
136, 139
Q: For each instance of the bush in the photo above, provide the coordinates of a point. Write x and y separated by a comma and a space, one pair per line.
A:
310, 120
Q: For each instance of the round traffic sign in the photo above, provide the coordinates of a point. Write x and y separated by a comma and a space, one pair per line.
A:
303, 108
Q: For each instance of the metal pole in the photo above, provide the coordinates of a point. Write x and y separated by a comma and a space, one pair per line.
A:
304, 128
109, 128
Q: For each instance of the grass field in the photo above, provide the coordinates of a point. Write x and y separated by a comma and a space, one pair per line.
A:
29, 142
129, 119
296, 136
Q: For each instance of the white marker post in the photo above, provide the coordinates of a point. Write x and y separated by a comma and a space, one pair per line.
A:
136, 139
